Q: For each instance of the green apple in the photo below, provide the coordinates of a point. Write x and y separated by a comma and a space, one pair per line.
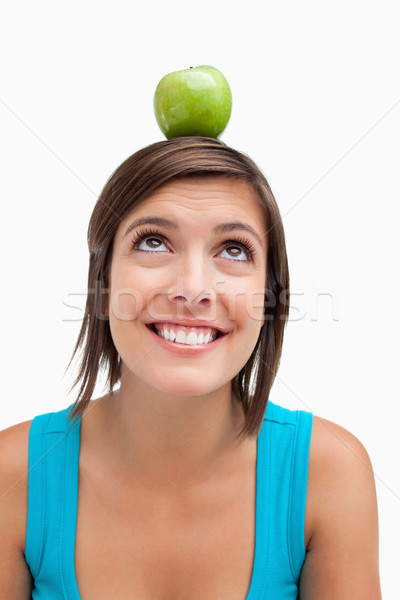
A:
195, 101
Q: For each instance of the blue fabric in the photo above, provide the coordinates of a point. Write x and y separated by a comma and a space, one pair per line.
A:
282, 468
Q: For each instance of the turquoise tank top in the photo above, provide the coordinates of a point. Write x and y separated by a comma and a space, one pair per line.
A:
282, 467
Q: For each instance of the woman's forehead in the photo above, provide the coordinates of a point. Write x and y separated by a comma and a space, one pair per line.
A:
206, 198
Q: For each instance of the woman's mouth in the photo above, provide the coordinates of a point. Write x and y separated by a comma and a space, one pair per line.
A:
190, 336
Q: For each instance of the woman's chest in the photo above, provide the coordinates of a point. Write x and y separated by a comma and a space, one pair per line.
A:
143, 546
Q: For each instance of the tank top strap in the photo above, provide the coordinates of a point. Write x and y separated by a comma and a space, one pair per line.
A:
54, 443
282, 471
298, 492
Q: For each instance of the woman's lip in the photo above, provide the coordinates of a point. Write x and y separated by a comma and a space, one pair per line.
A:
194, 325
185, 349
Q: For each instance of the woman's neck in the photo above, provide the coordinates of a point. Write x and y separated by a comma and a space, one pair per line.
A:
164, 440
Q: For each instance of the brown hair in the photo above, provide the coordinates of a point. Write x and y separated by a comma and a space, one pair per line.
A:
133, 181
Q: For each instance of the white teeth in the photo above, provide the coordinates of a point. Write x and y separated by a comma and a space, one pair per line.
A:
181, 337
191, 338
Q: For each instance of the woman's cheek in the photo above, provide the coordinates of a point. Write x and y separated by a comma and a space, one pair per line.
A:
126, 304
127, 294
255, 303
246, 304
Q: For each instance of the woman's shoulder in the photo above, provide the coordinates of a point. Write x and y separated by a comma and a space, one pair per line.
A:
337, 459
14, 461
14, 464
14, 453
339, 470
336, 453
341, 511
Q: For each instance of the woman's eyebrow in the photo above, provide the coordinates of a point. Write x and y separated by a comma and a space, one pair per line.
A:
152, 221
220, 228
237, 225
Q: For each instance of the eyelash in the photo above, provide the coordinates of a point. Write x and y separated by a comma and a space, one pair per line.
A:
142, 234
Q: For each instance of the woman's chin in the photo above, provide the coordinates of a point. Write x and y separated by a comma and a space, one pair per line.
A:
185, 389
184, 381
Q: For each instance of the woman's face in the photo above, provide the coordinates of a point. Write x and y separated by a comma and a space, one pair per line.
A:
193, 268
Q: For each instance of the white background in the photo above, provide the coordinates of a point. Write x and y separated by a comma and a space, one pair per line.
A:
316, 103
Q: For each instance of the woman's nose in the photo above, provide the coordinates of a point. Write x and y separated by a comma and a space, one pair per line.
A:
193, 283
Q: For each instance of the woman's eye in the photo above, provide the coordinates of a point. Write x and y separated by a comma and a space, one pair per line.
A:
148, 241
150, 244
236, 252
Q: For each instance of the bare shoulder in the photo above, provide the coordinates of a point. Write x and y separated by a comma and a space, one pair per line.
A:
14, 453
335, 451
340, 472
14, 446
14, 573
342, 517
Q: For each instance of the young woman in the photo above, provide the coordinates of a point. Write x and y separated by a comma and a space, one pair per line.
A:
183, 482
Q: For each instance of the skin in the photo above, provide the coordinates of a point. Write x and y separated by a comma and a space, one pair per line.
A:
173, 457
